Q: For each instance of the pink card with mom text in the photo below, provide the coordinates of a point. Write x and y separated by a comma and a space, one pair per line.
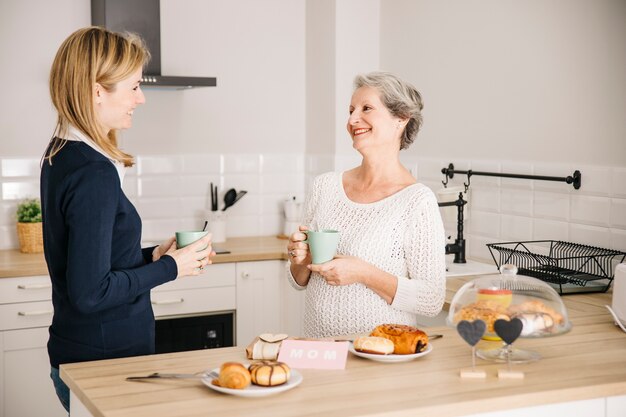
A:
312, 354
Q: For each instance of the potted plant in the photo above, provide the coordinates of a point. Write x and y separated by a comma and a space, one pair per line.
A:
29, 230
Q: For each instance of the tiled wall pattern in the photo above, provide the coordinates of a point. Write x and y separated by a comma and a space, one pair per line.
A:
172, 193
507, 209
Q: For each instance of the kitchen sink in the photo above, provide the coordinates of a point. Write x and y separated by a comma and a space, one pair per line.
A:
468, 269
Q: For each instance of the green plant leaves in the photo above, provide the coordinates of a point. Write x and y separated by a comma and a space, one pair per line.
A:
29, 211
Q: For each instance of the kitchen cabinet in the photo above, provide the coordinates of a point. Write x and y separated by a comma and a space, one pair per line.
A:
259, 301
25, 314
212, 291
258, 291
293, 306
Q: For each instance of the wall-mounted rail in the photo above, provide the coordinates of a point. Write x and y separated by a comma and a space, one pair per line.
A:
449, 172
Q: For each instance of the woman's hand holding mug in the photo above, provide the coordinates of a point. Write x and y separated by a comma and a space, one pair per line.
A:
297, 250
191, 259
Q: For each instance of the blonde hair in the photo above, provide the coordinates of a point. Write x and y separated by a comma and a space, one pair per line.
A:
401, 99
88, 56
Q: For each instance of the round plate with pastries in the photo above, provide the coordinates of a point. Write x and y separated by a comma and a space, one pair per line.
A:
252, 390
391, 358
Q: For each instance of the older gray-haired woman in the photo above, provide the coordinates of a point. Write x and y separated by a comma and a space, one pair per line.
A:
390, 266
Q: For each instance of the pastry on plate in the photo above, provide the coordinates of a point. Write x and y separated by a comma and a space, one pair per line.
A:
486, 310
269, 373
406, 339
536, 317
373, 344
233, 375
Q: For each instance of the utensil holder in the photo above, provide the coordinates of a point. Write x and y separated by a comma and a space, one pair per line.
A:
217, 226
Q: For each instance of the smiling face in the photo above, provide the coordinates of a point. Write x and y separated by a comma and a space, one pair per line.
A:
114, 109
370, 123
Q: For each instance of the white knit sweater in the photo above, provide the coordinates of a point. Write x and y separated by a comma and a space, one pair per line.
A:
401, 234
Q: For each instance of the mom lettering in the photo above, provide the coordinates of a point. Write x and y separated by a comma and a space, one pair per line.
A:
306, 354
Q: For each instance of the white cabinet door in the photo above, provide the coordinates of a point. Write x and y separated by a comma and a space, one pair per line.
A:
258, 299
26, 384
293, 307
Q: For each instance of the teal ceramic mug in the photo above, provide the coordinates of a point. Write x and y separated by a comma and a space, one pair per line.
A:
187, 238
322, 244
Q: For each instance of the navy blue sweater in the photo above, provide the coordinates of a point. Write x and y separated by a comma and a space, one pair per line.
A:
101, 278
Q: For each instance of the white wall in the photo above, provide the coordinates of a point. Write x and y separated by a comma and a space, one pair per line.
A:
503, 79
247, 133
527, 87
255, 53
532, 87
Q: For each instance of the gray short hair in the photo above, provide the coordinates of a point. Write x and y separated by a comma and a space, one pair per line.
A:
401, 99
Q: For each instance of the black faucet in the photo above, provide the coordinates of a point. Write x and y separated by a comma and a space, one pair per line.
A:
458, 247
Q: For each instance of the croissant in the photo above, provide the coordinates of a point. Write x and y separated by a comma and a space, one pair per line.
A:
269, 373
406, 339
233, 375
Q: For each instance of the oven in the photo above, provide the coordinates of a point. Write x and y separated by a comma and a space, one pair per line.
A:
194, 332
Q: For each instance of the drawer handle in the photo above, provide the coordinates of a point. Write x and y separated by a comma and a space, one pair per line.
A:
35, 313
170, 301
33, 286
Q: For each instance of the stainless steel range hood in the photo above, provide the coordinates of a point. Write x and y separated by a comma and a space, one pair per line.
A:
144, 18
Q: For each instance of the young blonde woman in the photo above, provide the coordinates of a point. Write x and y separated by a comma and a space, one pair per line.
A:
101, 277
391, 262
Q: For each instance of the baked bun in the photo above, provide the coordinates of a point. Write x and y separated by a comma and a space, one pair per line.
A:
537, 317
406, 339
373, 344
233, 375
486, 310
269, 373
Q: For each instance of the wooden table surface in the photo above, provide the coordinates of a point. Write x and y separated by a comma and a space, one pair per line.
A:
14, 263
588, 362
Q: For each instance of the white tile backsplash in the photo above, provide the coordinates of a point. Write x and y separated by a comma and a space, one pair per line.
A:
618, 240
485, 199
516, 201
514, 228
285, 184
210, 164
484, 223
20, 167
589, 210
8, 213
147, 165
242, 164
278, 163
544, 229
20, 190
246, 225
158, 187
553, 170
589, 235
617, 213
172, 193
481, 166
130, 186
551, 205
618, 182
8, 237
595, 181
158, 208
514, 167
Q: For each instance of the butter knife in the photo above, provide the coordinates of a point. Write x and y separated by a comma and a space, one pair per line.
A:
159, 375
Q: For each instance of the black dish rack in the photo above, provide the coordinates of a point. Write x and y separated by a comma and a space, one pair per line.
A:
570, 268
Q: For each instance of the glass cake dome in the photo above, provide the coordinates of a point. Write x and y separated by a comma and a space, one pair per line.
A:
507, 296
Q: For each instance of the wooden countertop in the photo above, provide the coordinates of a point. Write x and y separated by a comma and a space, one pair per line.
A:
588, 362
14, 263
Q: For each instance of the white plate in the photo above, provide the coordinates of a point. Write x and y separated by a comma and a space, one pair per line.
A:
390, 358
254, 390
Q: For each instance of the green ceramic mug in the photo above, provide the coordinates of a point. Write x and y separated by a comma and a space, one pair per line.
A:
322, 244
187, 238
